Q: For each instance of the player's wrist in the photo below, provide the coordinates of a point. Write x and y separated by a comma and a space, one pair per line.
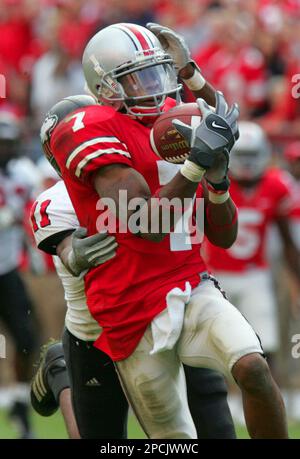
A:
218, 193
218, 198
192, 171
196, 81
72, 265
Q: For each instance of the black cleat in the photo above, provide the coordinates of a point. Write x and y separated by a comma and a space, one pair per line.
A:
50, 379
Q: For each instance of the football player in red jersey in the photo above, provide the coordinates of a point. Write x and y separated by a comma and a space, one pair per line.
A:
89, 372
292, 157
263, 197
206, 389
155, 301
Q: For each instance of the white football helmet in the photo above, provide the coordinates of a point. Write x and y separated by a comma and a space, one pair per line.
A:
251, 154
126, 67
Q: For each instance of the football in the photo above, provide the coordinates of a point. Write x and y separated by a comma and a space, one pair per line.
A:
165, 140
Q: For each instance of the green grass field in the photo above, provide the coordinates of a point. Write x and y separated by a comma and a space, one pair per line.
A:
53, 428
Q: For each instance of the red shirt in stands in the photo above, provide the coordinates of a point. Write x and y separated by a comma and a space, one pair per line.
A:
241, 75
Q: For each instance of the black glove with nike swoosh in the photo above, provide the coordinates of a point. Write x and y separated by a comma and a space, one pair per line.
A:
212, 141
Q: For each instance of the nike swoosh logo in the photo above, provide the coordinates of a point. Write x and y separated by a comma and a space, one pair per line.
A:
215, 125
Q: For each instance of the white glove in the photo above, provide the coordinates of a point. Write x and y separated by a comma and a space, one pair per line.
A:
88, 252
173, 43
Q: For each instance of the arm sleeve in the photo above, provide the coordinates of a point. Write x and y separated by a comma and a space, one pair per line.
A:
96, 153
52, 218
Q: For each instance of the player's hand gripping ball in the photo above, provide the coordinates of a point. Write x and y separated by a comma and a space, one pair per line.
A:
166, 141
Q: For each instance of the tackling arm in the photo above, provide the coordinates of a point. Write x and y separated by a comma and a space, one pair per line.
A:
63, 250
78, 252
56, 231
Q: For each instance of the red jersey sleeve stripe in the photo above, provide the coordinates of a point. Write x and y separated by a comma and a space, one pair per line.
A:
96, 154
91, 143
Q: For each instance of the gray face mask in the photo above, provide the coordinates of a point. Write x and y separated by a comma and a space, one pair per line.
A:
143, 92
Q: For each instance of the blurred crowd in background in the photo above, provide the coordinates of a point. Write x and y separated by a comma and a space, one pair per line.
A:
248, 49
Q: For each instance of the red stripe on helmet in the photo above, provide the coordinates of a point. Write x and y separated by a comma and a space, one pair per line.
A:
139, 35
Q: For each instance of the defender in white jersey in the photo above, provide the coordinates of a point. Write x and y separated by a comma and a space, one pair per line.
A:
61, 222
96, 392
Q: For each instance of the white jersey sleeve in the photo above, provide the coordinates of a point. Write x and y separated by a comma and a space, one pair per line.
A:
52, 218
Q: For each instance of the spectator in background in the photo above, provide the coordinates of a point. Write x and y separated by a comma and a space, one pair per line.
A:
283, 115
192, 21
136, 11
18, 49
75, 25
15, 305
17, 34
233, 64
292, 157
57, 73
